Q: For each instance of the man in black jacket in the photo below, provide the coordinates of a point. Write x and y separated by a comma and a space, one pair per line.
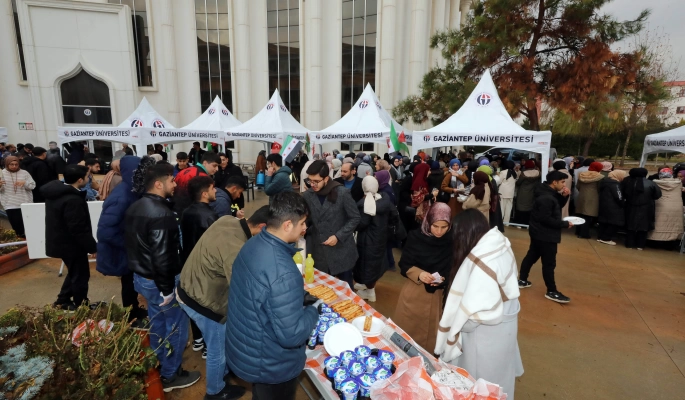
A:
545, 233
40, 171
349, 179
199, 216
68, 234
152, 243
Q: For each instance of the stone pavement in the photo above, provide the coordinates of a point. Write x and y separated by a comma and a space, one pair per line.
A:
622, 335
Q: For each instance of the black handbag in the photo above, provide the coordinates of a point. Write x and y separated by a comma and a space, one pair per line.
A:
397, 232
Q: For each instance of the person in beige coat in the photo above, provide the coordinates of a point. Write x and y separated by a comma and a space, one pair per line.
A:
507, 188
668, 224
480, 195
587, 204
560, 165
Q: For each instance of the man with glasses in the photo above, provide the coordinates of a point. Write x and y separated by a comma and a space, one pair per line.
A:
333, 218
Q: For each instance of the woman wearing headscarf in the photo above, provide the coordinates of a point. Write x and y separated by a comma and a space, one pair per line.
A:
472, 167
612, 215
386, 190
419, 185
336, 168
383, 178
435, 177
111, 180
587, 204
507, 188
16, 188
640, 195
260, 164
584, 167
525, 190
668, 222
329, 162
480, 195
606, 168
427, 252
479, 326
364, 168
452, 184
562, 166
495, 217
372, 238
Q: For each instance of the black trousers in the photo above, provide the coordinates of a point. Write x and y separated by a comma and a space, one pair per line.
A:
129, 298
16, 221
636, 239
279, 391
607, 231
75, 286
583, 230
548, 252
522, 217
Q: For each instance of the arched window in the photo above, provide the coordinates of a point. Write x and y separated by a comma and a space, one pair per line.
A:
85, 100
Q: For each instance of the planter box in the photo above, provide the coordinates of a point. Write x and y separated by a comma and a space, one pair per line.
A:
153, 381
16, 259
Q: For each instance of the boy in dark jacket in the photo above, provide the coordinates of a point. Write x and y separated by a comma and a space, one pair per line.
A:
545, 232
228, 193
277, 178
268, 324
68, 234
152, 246
199, 216
40, 171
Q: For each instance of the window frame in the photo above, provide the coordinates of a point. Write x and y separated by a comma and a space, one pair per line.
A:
17, 53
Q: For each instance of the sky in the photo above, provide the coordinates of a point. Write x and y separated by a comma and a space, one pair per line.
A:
667, 18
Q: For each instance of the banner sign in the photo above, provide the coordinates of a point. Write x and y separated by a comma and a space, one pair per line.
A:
523, 141
672, 140
344, 137
184, 135
123, 135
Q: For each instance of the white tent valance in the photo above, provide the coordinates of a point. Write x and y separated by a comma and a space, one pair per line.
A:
484, 121
272, 124
367, 121
672, 140
3, 135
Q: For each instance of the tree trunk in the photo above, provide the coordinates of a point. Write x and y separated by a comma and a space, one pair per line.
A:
534, 118
618, 148
625, 145
588, 143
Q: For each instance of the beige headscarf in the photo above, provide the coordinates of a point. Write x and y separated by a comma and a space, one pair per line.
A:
370, 188
618, 175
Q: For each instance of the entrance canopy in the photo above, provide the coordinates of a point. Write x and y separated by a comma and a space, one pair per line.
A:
3, 135
483, 121
272, 124
367, 121
673, 140
216, 118
144, 126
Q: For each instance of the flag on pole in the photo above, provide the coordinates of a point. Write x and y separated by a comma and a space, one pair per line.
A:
397, 142
307, 145
209, 146
291, 147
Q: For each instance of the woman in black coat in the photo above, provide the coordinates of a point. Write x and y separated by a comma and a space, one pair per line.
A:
372, 236
611, 206
640, 195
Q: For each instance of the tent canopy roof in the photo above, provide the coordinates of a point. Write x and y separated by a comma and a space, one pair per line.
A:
671, 140
145, 116
216, 117
272, 123
366, 121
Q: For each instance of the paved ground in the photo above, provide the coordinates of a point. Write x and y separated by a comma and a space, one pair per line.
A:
622, 336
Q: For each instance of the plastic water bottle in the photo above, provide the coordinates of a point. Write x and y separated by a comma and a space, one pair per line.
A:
309, 269
298, 261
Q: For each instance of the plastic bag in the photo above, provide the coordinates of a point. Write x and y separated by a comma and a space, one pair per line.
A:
104, 326
410, 382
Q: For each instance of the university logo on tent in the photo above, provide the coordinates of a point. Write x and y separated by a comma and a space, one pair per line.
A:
153, 133
318, 136
225, 112
66, 133
136, 123
379, 105
270, 106
211, 111
483, 99
283, 108
363, 104
157, 124
427, 138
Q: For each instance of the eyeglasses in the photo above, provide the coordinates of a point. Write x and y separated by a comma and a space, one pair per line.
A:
312, 182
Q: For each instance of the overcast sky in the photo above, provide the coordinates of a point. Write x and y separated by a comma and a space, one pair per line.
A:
668, 16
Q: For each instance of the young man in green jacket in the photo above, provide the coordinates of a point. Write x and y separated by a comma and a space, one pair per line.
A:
203, 291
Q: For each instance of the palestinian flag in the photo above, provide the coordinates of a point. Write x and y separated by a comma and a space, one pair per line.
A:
397, 143
291, 147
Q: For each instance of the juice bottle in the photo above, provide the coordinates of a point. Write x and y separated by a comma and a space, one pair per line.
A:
297, 258
309, 269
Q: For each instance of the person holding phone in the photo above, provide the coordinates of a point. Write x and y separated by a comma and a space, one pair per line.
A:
426, 262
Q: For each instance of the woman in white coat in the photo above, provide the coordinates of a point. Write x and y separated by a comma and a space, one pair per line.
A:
507, 188
479, 325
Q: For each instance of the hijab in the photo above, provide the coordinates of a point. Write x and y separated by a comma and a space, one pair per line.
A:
329, 161
435, 165
665, 173
371, 196
454, 161
618, 175
638, 175
509, 166
336, 164
9, 160
339, 156
530, 164
595, 166
559, 165
438, 212
472, 168
568, 161
419, 178
588, 161
480, 179
487, 170
484, 161
607, 166
383, 177
107, 182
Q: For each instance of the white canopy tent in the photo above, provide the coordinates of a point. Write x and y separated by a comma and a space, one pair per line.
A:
144, 126
272, 124
3, 135
483, 121
216, 118
672, 140
367, 121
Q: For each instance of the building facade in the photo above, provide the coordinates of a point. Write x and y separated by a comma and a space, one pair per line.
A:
82, 63
673, 111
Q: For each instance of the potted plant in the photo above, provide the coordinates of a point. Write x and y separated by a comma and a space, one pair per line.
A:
12, 257
47, 354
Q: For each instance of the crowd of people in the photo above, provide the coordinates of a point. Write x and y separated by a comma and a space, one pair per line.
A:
178, 237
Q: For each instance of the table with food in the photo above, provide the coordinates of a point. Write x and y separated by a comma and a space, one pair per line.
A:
357, 353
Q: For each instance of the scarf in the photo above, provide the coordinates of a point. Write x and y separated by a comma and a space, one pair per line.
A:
509, 167
487, 170
438, 212
9, 160
618, 175
371, 196
383, 177
480, 179
107, 182
607, 166
329, 192
638, 175
568, 161
420, 175
558, 165
665, 173
484, 162
596, 166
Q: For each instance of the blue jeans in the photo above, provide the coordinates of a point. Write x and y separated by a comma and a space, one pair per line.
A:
168, 323
214, 334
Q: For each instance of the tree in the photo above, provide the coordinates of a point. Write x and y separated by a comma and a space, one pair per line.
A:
552, 51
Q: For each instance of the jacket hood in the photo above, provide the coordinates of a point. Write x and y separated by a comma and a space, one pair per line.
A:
543, 189
56, 189
28, 161
532, 173
128, 165
668, 184
590, 176
284, 169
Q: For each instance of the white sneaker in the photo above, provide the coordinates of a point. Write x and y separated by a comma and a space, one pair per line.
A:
360, 286
609, 242
368, 294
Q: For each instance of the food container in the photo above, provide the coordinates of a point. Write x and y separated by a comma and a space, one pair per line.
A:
350, 389
362, 352
372, 363
386, 358
365, 381
331, 364
381, 373
356, 368
339, 376
346, 357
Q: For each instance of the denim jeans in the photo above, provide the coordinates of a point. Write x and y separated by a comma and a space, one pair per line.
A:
168, 323
214, 334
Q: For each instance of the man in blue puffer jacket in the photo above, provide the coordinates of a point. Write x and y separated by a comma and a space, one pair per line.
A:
268, 325
111, 256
